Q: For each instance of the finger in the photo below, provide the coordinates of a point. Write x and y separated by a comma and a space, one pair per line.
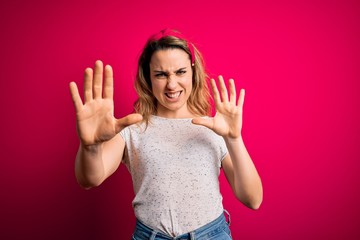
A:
206, 122
232, 91
223, 90
88, 79
126, 121
98, 79
215, 92
241, 98
108, 82
76, 96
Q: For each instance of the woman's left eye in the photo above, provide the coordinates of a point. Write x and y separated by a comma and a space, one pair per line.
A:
180, 72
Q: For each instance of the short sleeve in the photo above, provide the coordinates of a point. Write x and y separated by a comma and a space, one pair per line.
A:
124, 133
223, 149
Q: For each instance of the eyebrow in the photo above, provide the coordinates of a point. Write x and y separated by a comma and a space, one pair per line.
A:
159, 71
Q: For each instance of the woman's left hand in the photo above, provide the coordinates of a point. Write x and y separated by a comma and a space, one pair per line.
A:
227, 121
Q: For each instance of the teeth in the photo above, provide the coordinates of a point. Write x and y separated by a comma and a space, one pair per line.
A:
173, 95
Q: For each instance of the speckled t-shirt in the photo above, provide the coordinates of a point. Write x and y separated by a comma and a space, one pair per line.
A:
175, 167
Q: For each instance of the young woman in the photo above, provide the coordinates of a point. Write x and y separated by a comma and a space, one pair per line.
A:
171, 146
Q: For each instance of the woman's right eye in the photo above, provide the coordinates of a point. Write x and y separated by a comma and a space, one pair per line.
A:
160, 75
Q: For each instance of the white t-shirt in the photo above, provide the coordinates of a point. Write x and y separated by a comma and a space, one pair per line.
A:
175, 167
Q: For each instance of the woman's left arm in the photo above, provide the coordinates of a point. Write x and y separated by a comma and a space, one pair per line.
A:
238, 166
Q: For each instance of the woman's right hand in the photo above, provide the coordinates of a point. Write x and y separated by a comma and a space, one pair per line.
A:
95, 118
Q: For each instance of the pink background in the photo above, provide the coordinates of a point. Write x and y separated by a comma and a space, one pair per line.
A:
299, 63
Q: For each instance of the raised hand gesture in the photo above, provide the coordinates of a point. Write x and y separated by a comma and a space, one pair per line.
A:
95, 118
227, 121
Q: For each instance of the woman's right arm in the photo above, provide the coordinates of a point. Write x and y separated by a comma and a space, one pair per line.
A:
95, 163
101, 147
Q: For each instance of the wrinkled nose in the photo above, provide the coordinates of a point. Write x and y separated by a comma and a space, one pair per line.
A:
171, 82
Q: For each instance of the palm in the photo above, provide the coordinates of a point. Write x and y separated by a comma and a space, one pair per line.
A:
96, 122
227, 121
95, 119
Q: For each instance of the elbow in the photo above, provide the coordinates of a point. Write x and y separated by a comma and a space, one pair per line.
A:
89, 182
86, 185
251, 201
255, 205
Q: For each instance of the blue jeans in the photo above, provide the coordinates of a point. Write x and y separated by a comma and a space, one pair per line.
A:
216, 230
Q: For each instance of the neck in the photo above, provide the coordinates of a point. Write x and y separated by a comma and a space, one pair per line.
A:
181, 113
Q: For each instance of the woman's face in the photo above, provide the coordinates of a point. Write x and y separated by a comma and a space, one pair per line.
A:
171, 80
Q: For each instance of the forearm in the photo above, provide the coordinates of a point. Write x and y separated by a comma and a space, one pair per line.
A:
247, 184
89, 167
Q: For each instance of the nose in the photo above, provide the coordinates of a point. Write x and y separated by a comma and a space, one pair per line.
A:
171, 81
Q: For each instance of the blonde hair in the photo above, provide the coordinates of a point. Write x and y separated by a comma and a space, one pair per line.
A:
146, 104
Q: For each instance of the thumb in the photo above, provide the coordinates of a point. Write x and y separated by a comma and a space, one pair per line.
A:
121, 123
206, 122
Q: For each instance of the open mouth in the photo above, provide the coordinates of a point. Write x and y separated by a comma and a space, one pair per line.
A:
173, 95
